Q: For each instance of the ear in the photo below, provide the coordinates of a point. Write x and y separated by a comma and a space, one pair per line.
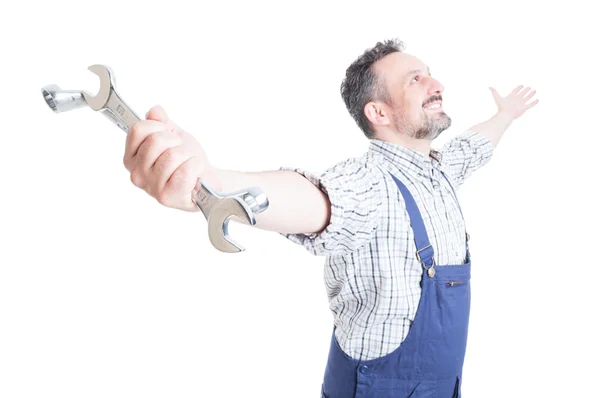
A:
376, 114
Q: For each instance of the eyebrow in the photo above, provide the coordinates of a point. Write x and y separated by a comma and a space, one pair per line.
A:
418, 71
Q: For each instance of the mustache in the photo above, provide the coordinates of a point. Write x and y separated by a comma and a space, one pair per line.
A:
432, 99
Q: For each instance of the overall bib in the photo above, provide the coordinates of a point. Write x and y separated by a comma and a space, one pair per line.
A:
428, 364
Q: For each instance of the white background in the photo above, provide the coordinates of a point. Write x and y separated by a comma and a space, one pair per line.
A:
106, 293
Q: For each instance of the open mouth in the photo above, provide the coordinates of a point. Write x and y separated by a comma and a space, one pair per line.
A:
433, 106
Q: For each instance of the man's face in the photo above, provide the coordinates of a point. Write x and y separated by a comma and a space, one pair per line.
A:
416, 97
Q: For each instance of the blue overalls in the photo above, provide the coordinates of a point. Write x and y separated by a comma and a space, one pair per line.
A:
428, 364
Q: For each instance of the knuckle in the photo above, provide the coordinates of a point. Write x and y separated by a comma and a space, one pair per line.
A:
160, 140
143, 128
163, 198
137, 129
137, 178
127, 160
153, 139
170, 155
146, 148
183, 172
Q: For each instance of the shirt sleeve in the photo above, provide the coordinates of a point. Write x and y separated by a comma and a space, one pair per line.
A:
353, 188
465, 154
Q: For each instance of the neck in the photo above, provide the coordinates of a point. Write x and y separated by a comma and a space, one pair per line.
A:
423, 146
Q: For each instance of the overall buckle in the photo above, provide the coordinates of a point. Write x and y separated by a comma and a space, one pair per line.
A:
430, 270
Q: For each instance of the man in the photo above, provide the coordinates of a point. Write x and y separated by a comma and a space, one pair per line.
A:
388, 223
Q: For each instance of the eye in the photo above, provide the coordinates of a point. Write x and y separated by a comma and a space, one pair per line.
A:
415, 78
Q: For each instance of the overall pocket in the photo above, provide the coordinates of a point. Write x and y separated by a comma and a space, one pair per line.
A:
404, 389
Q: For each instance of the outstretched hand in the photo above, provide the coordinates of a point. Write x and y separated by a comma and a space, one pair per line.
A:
164, 160
515, 103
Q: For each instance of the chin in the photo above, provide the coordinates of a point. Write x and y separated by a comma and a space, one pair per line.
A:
435, 127
441, 121
442, 114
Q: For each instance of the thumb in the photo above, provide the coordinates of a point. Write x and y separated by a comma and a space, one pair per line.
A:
157, 113
495, 94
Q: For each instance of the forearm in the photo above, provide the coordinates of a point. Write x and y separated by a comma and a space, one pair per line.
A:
295, 204
495, 127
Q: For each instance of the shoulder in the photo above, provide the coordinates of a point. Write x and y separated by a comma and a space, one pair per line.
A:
362, 170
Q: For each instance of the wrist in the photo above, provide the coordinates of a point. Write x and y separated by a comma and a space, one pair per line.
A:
504, 117
211, 177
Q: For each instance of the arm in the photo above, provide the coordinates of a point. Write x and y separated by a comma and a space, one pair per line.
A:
331, 213
468, 152
494, 128
295, 204
510, 108
168, 163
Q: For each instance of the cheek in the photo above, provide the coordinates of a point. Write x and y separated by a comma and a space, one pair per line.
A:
418, 111
410, 107
414, 107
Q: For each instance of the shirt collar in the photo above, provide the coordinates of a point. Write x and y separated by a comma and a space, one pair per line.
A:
407, 159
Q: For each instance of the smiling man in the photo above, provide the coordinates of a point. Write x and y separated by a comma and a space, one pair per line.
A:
397, 263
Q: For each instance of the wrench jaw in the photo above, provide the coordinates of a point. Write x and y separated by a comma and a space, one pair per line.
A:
218, 222
107, 82
218, 210
255, 199
60, 100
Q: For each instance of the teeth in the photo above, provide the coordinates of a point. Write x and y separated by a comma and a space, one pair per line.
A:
434, 106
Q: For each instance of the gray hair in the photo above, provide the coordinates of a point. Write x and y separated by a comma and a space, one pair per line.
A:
362, 85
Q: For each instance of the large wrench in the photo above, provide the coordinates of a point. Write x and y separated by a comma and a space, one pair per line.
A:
217, 209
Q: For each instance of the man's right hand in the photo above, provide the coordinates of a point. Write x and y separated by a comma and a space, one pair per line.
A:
164, 160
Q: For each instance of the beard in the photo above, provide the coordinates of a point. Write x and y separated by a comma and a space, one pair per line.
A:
431, 126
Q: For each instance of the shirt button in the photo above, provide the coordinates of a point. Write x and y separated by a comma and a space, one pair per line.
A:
363, 369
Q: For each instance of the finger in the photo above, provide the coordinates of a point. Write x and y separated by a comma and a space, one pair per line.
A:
524, 91
137, 135
528, 97
178, 188
167, 163
157, 113
171, 126
151, 149
184, 177
532, 104
516, 90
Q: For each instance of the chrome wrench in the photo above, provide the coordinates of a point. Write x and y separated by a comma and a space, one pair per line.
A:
217, 209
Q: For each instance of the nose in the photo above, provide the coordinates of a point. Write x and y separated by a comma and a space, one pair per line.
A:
434, 87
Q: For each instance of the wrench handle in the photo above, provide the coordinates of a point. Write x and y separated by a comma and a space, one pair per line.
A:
206, 199
123, 115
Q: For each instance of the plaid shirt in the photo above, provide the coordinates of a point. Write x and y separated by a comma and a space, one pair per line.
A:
372, 275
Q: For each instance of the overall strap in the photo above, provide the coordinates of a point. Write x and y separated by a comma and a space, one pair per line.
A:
424, 249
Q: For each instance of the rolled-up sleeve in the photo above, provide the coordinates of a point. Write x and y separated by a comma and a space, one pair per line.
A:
353, 188
466, 153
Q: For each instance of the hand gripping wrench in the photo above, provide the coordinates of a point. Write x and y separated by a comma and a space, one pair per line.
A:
217, 209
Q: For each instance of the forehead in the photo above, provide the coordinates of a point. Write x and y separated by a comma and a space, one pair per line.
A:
396, 66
